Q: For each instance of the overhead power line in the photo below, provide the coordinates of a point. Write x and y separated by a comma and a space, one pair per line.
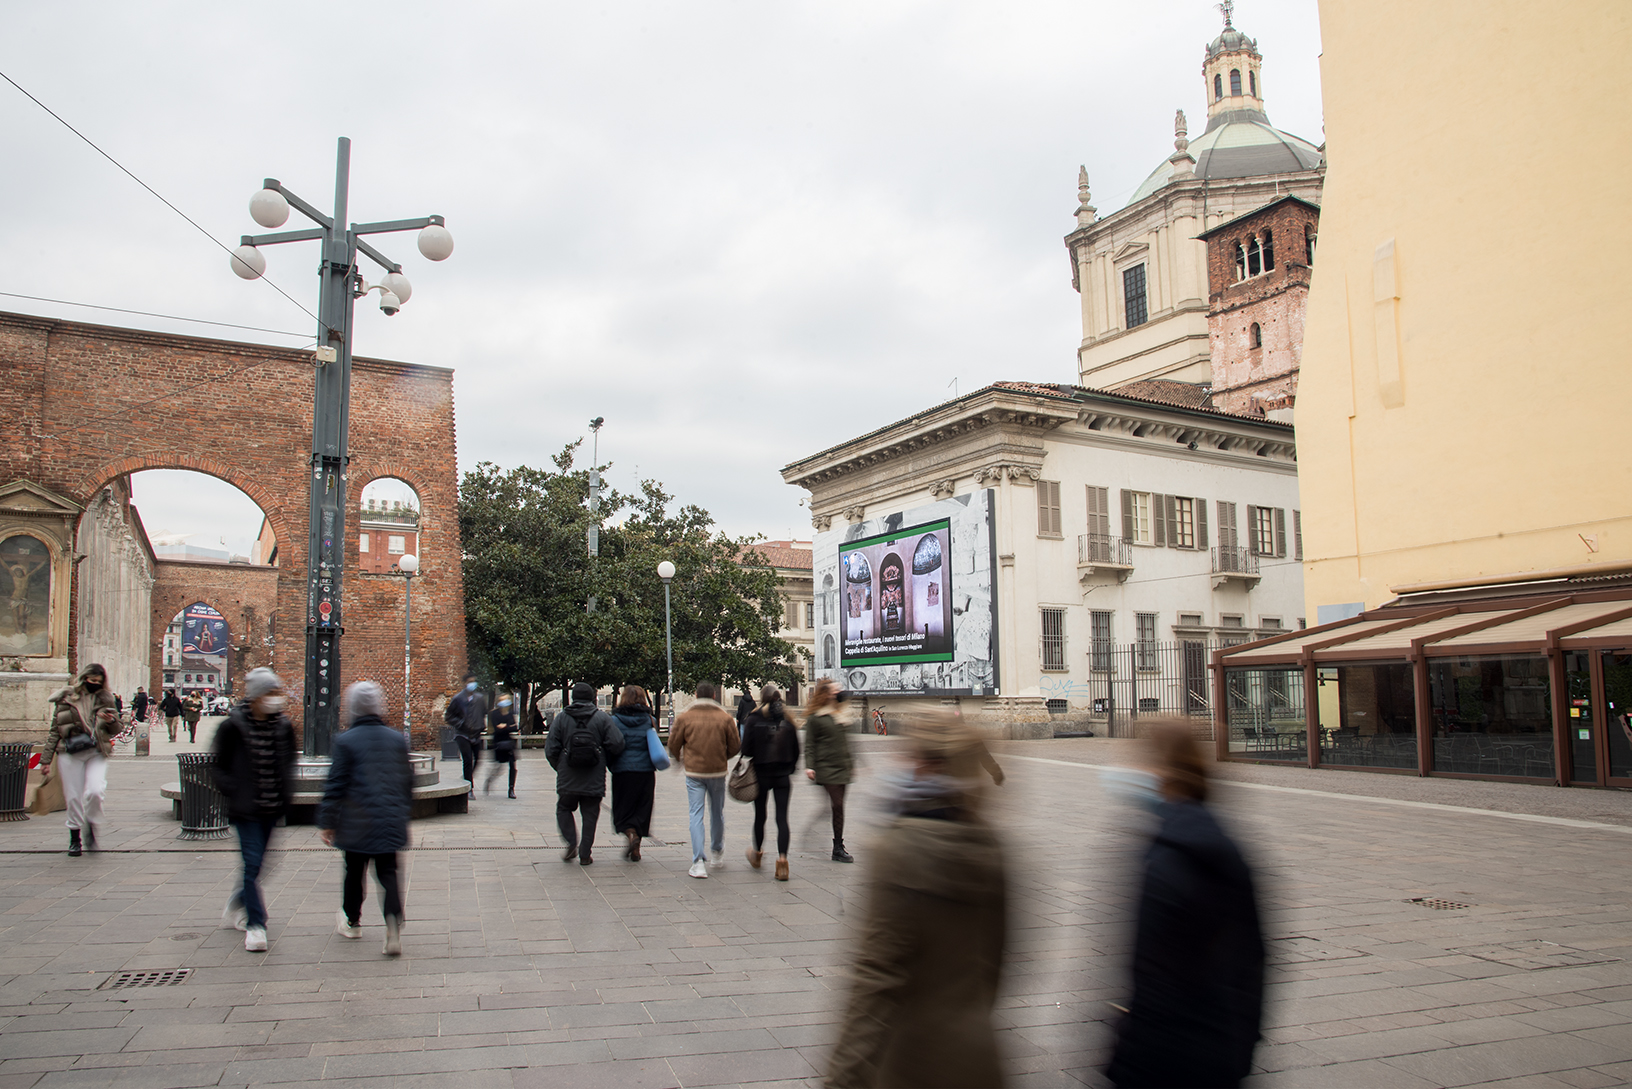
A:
151, 314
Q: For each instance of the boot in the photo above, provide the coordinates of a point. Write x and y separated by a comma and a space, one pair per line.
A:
839, 853
782, 867
74, 849
90, 836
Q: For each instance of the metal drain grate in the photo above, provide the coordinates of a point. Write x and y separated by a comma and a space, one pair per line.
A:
1437, 904
164, 977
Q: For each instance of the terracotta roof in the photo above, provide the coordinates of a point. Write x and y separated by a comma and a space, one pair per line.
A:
1168, 392
783, 554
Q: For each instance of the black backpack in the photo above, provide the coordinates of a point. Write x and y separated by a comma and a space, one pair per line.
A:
783, 744
583, 751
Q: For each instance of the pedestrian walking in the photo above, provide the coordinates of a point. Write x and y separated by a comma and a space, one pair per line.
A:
365, 810
581, 740
191, 708
254, 771
501, 723
771, 740
828, 761
1198, 950
702, 742
138, 704
634, 776
927, 971
84, 722
467, 714
170, 707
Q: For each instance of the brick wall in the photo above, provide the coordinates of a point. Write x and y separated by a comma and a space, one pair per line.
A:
87, 404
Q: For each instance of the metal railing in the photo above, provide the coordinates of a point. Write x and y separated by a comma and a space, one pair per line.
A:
1100, 548
1127, 680
1234, 561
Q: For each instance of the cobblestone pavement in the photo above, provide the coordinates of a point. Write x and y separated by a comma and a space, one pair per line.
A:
519, 970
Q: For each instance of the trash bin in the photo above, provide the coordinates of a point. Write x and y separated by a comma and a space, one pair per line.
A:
14, 779
450, 743
203, 809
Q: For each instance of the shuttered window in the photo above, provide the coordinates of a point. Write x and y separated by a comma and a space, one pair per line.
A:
1227, 538
1099, 511
1297, 535
1053, 638
1048, 508
1136, 518
1266, 531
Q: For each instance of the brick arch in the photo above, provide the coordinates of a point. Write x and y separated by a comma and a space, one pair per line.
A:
262, 496
245, 596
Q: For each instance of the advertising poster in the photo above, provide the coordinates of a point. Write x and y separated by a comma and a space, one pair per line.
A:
204, 636
898, 596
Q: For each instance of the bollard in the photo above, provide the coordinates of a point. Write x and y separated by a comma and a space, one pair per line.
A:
143, 746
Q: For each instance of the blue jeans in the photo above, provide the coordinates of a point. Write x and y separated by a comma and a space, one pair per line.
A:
714, 791
253, 837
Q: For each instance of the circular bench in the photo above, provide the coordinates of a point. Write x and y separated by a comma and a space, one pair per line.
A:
431, 795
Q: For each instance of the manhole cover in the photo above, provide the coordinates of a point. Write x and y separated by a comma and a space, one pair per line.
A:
1534, 955
1437, 903
1301, 949
163, 977
188, 937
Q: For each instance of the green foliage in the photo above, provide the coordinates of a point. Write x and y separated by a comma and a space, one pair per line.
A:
528, 578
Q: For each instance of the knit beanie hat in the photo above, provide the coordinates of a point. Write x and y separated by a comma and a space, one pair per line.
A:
583, 692
364, 698
259, 682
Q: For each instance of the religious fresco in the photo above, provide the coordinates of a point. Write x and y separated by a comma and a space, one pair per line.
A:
26, 626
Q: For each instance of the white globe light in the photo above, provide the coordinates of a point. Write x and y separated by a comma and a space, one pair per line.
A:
436, 243
665, 570
408, 564
248, 262
398, 285
269, 208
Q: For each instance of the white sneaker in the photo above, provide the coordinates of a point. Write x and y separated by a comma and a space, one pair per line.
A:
255, 939
393, 936
717, 859
235, 916
345, 929
699, 868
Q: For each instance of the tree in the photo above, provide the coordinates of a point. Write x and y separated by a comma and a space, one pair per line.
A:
529, 578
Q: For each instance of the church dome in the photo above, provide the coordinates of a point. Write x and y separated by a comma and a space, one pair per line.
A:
1238, 144
1231, 41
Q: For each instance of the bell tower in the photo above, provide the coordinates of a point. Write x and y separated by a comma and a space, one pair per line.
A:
1233, 70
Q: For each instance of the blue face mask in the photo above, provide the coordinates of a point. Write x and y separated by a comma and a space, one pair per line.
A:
503, 704
1132, 786
471, 687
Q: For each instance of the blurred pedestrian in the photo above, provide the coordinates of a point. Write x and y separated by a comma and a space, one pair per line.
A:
84, 722
581, 740
702, 742
366, 805
771, 740
927, 970
634, 776
828, 761
467, 714
254, 771
170, 707
745, 706
501, 724
1198, 952
138, 705
191, 708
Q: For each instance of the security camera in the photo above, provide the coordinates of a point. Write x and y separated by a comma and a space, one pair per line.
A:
389, 303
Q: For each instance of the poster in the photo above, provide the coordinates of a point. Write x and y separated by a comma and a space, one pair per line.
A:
898, 596
204, 637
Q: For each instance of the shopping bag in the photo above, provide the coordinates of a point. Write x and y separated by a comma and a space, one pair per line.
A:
47, 797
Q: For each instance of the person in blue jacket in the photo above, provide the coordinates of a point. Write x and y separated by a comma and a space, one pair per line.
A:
365, 809
634, 776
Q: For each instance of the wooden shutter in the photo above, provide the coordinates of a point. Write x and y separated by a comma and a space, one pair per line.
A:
1099, 511
1201, 522
1158, 520
1127, 514
1297, 535
1048, 507
1226, 525
1171, 517
1252, 529
1280, 532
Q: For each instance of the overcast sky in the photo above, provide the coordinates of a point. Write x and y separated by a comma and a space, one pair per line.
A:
742, 232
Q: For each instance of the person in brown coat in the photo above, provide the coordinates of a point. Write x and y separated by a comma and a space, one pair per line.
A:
703, 740
927, 970
84, 722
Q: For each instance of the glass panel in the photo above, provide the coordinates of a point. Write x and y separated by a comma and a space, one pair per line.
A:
1491, 715
1367, 716
1264, 714
1583, 751
1617, 707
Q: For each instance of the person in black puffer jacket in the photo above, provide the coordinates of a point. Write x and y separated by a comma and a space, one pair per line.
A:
254, 771
771, 740
365, 810
581, 741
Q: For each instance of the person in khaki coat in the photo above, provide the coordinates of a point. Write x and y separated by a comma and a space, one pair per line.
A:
931, 947
703, 740
84, 722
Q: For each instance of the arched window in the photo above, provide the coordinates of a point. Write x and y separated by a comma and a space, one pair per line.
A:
1256, 334
1240, 260
1308, 245
1255, 257
1218, 86
1235, 82
828, 661
1252, 83
387, 525
1269, 251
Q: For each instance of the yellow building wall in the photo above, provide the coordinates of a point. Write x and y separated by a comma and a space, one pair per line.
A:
1465, 406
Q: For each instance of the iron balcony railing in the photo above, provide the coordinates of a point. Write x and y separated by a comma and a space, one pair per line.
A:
1234, 561
1100, 548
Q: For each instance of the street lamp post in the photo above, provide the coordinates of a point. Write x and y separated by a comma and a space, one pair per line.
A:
665, 571
407, 567
340, 285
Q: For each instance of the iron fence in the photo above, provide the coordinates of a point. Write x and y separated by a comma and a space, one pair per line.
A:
1099, 548
1149, 678
1234, 561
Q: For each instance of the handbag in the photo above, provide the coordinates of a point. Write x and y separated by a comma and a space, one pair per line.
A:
78, 743
743, 784
655, 750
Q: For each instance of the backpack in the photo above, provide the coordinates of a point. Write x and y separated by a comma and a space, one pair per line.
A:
583, 751
783, 745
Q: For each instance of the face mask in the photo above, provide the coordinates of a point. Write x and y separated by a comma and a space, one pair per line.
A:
93, 682
273, 704
471, 687
503, 704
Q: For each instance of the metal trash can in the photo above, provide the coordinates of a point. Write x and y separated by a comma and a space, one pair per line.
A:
450, 742
14, 779
203, 809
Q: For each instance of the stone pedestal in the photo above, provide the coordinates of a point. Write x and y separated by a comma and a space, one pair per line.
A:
1013, 718
24, 712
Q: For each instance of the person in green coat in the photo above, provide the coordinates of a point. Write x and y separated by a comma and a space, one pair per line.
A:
828, 762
